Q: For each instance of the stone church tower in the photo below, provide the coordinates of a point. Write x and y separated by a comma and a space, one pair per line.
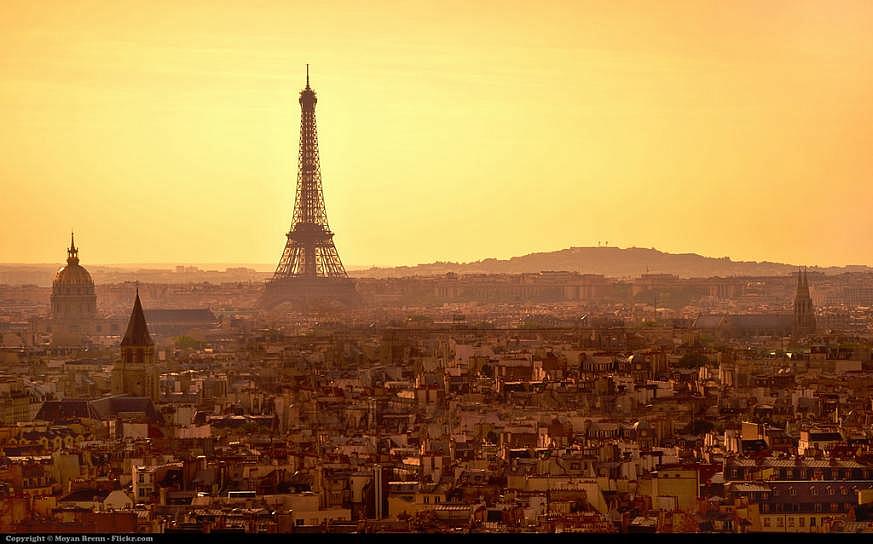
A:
136, 374
804, 313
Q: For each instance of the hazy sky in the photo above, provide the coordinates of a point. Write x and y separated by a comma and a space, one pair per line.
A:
167, 131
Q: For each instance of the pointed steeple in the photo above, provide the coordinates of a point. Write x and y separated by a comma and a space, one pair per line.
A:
307, 76
72, 251
137, 333
802, 283
804, 312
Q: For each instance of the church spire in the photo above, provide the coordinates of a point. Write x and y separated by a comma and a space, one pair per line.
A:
136, 374
137, 333
804, 312
72, 251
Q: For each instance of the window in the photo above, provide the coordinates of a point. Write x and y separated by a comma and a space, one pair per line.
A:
780, 522
298, 522
766, 522
791, 522
801, 521
436, 500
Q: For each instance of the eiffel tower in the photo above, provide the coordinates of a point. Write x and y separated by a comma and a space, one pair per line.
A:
310, 273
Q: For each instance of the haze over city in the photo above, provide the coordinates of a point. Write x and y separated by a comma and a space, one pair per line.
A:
167, 132
524, 268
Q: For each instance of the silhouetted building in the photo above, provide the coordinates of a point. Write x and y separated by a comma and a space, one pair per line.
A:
180, 321
744, 325
73, 301
136, 374
804, 313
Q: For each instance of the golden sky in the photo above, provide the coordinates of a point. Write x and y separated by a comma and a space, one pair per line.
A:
166, 131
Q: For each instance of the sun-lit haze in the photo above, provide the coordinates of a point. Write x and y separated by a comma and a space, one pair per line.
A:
168, 131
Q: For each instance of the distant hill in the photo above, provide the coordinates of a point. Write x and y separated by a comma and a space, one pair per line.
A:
609, 261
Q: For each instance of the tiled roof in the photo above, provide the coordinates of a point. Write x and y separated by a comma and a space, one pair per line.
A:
65, 410
196, 315
107, 407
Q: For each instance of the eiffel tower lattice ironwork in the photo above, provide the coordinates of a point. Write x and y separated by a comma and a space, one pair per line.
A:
310, 270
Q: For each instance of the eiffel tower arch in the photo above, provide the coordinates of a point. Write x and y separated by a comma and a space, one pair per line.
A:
310, 273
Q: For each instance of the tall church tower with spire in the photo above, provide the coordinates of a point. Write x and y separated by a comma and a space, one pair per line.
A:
804, 313
136, 374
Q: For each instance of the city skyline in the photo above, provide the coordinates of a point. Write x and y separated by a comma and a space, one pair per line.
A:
684, 128
427, 267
